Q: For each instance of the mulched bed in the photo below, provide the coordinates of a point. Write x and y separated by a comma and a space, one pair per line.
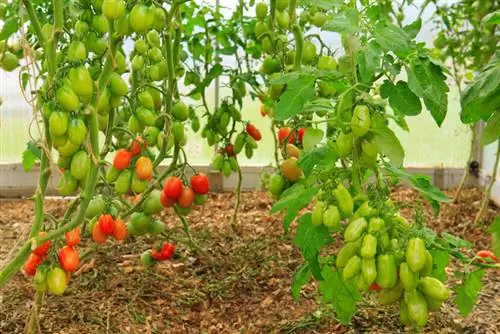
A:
241, 284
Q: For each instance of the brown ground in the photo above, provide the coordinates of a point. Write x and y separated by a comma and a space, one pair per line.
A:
241, 286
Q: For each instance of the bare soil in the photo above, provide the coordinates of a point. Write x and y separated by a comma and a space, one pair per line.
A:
240, 285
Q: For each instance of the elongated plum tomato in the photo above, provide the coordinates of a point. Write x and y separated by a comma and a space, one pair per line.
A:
73, 237
301, 134
32, 263
186, 198
486, 254
144, 168
284, 133
43, 248
57, 281
200, 184
166, 201
106, 224
119, 229
138, 145
253, 132
97, 234
69, 258
122, 159
172, 187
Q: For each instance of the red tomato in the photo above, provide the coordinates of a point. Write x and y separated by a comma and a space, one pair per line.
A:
166, 201
253, 132
97, 235
138, 145
119, 229
172, 187
374, 287
200, 184
284, 133
106, 224
167, 250
32, 263
73, 237
122, 159
144, 168
186, 198
301, 134
44, 248
484, 254
230, 150
69, 258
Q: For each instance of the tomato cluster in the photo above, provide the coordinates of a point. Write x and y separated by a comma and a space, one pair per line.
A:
158, 253
107, 226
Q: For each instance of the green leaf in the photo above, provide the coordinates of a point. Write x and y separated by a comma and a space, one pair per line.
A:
342, 295
428, 82
29, 160
468, 291
392, 38
293, 99
413, 28
401, 98
323, 4
300, 278
491, 19
369, 61
214, 72
310, 239
482, 96
312, 137
318, 105
494, 230
322, 155
455, 241
440, 260
293, 200
491, 132
347, 22
10, 26
388, 144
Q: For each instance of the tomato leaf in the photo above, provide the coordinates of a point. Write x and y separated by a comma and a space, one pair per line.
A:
491, 132
413, 28
401, 98
312, 137
323, 155
491, 19
455, 241
468, 291
293, 99
310, 239
341, 294
293, 200
494, 230
31, 155
428, 82
392, 38
344, 23
482, 96
214, 72
388, 144
440, 260
301, 276
10, 26
369, 61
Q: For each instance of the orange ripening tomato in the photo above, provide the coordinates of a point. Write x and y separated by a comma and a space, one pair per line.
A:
122, 159
284, 133
43, 248
119, 229
186, 198
172, 187
166, 201
486, 254
253, 132
97, 235
263, 110
144, 168
200, 184
73, 237
69, 258
32, 263
137, 146
106, 224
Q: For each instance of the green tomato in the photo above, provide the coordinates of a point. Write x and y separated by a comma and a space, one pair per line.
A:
96, 207
122, 26
80, 165
433, 288
361, 120
135, 125
151, 135
81, 28
113, 9
344, 200
309, 52
81, 81
319, 19
346, 252
146, 116
326, 63
352, 268
409, 279
140, 222
200, 199
77, 51
281, 5
156, 227
103, 104
153, 38
387, 275
68, 149
369, 246
261, 10
67, 184
392, 295
178, 132
415, 254
180, 111
117, 85
137, 63
283, 20
270, 65
369, 270
56, 281
276, 183
331, 218
138, 186
67, 98
58, 123
122, 183
417, 307
146, 259
100, 24
141, 18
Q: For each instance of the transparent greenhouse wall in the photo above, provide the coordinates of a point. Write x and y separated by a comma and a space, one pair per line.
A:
426, 145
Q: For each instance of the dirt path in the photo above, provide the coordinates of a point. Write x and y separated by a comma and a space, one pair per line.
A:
242, 286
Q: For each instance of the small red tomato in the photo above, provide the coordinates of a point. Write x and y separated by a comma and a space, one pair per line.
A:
167, 250
186, 198
374, 287
156, 254
138, 145
69, 258
106, 224
166, 201
301, 134
253, 132
32, 263
119, 229
284, 133
200, 184
43, 248
73, 237
97, 235
172, 187
229, 150
485, 254
144, 168
122, 159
